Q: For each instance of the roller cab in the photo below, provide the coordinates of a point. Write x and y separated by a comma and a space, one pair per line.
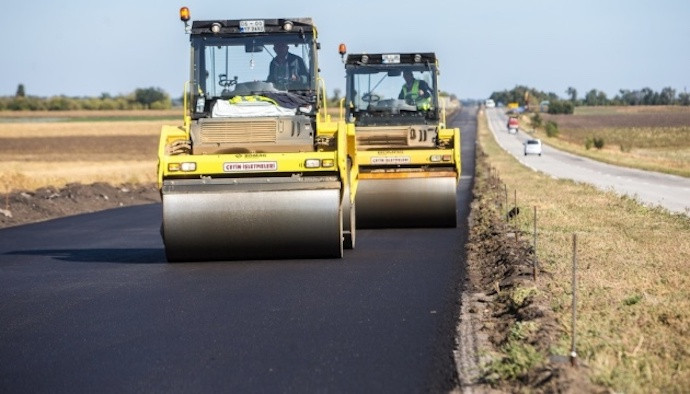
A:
257, 170
408, 160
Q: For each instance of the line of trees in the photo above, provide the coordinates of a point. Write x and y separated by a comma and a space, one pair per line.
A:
644, 96
143, 98
526, 96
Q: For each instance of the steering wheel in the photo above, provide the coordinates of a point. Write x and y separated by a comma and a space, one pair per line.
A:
225, 82
370, 97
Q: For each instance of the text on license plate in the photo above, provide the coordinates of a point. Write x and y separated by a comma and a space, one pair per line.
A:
250, 166
390, 160
256, 26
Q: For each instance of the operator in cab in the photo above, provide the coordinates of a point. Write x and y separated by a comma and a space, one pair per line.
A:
287, 68
415, 91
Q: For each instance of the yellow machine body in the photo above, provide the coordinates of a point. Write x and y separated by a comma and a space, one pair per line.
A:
409, 161
257, 170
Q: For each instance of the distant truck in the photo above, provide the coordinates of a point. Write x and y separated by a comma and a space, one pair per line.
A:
489, 103
513, 125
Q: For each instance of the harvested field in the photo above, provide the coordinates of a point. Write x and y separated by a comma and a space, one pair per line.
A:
56, 153
114, 114
91, 148
647, 138
637, 120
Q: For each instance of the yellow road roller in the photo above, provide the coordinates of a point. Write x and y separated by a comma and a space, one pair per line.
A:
408, 159
257, 170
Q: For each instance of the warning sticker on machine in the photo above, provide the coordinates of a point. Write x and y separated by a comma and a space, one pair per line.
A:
250, 166
390, 160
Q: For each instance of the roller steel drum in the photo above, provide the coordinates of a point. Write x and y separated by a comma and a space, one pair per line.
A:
406, 202
252, 219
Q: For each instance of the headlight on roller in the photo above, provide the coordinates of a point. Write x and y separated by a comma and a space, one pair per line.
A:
185, 167
327, 163
312, 163
188, 166
435, 158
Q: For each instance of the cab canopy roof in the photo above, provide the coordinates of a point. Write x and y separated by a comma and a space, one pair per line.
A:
391, 58
254, 26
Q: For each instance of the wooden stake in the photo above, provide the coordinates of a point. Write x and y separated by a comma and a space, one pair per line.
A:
534, 246
573, 352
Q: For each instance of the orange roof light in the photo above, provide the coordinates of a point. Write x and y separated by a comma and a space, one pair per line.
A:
342, 49
184, 14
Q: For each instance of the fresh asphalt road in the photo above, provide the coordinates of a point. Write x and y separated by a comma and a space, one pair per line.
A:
650, 188
87, 304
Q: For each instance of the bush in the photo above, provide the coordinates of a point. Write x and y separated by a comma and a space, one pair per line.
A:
536, 120
589, 143
551, 129
561, 107
161, 104
598, 142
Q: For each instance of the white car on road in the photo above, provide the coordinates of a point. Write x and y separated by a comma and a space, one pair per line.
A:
533, 147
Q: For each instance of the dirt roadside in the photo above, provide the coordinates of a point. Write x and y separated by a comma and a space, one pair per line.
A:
506, 330
22, 207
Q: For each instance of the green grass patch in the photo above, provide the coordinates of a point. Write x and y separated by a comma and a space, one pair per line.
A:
517, 357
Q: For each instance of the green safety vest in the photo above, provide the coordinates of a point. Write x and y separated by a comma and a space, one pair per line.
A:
422, 102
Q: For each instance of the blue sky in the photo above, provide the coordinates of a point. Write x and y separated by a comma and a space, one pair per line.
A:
89, 47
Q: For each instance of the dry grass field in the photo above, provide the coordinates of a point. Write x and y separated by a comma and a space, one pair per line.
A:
54, 149
5, 116
649, 138
633, 327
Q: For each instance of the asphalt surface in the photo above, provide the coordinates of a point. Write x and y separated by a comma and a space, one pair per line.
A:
88, 304
650, 188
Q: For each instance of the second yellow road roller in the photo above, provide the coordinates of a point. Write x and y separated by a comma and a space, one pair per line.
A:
408, 159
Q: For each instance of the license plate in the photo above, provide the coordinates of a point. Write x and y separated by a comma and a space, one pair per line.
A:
390, 58
252, 26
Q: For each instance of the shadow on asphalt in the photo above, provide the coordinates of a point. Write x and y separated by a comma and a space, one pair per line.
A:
106, 255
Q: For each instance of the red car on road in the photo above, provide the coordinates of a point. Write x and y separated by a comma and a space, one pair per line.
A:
513, 125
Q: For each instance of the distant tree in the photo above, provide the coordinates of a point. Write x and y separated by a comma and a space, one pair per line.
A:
633, 97
667, 96
552, 96
595, 97
148, 96
20, 91
602, 99
591, 97
335, 99
647, 96
519, 94
572, 92
62, 103
684, 99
